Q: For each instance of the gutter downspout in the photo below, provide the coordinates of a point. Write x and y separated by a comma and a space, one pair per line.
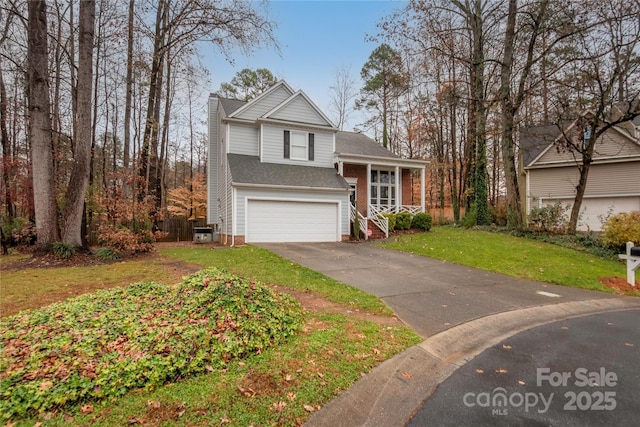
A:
233, 209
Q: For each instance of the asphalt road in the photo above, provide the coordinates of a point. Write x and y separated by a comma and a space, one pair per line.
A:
578, 372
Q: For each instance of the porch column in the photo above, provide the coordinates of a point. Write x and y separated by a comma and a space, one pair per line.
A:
398, 189
422, 185
368, 199
340, 168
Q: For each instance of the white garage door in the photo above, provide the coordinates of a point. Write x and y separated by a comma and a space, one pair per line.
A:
286, 221
595, 210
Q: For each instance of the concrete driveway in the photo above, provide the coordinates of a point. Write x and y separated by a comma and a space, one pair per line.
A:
461, 312
427, 294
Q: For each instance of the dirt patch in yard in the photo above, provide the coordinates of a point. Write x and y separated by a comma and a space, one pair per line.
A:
176, 269
620, 285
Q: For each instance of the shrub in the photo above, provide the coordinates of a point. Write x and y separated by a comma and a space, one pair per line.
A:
108, 254
392, 220
470, 217
622, 228
499, 214
99, 346
422, 221
20, 231
125, 241
549, 219
403, 220
63, 250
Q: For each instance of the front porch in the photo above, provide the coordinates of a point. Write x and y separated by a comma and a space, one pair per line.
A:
381, 182
375, 225
383, 187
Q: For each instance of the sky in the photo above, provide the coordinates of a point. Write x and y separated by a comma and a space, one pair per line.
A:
316, 38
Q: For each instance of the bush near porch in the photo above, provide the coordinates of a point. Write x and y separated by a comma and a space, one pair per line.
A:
405, 221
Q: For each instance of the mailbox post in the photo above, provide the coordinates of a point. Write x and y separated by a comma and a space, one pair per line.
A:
632, 256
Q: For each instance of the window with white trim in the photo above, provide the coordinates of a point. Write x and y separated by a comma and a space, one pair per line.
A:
298, 145
383, 188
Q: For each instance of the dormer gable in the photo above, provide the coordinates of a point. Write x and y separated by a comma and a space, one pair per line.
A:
546, 147
264, 103
299, 108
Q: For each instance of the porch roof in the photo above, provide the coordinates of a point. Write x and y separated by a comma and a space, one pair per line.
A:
358, 148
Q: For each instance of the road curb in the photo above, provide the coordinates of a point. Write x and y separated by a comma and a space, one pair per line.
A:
392, 392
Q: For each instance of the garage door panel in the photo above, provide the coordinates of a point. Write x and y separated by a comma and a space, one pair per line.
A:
291, 221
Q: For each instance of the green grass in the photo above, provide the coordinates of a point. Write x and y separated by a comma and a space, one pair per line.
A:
310, 370
512, 256
267, 267
22, 289
282, 385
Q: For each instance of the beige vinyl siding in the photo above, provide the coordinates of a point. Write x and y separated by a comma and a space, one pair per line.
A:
604, 179
611, 144
299, 110
243, 140
273, 147
266, 104
212, 162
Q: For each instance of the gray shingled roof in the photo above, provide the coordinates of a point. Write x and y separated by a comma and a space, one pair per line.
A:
230, 105
535, 139
249, 170
360, 144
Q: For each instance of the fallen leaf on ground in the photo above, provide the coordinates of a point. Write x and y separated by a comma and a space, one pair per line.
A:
308, 408
501, 371
505, 346
279, 406
407, 375
479, 371
87, 409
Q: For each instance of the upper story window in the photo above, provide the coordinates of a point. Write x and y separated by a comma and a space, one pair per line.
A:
298, 145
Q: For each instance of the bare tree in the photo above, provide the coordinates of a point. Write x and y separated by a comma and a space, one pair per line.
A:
177, 26
609, 61
73, 213
44, 185
342, 94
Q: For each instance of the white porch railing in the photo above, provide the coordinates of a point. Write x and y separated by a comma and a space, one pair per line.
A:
397, 209
362, 220
375, 215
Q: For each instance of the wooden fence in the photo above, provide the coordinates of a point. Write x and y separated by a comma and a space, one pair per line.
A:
178, 229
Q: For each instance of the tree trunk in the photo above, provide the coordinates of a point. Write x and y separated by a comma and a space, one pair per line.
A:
149, 150
479, 111
6, 151
129, 87
577, 201
514, 205
75, 195
44, 185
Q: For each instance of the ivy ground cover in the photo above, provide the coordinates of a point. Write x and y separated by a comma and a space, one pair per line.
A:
102, 345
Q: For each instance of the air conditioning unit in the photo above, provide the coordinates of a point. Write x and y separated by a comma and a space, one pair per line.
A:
203, 235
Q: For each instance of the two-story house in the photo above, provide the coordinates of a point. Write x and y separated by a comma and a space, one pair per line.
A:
551, 171
275, 174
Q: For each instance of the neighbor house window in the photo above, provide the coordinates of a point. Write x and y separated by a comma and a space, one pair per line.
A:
383, 188
298, 145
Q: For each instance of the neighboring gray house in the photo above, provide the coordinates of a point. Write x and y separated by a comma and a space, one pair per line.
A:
272, 173
613, 185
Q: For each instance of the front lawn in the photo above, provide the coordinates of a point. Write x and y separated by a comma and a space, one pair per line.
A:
260, 264
512, 256
280, 384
